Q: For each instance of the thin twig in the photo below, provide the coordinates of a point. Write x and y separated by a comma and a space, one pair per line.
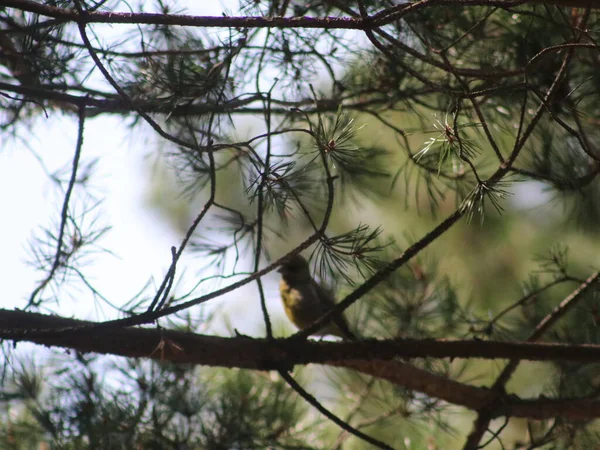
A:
65, 209
335, 419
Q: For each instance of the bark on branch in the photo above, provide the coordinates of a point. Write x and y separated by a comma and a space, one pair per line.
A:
72, 15
371, 357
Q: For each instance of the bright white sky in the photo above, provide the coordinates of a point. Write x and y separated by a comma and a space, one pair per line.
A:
140, 238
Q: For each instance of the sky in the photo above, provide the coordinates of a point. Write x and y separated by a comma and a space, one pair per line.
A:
140, 239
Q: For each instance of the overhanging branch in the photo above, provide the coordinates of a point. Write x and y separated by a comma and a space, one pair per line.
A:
68, 14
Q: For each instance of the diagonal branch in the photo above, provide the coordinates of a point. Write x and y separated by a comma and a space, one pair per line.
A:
487, 413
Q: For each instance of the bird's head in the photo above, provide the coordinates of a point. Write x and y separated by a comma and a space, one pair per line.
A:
294, 267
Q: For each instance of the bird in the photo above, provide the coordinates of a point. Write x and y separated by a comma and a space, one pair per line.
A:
305, 301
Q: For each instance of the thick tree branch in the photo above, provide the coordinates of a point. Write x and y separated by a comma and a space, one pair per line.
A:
370, 357
258, 354
270, 22
473, 397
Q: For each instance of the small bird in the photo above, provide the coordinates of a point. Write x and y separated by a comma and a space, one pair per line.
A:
305, 301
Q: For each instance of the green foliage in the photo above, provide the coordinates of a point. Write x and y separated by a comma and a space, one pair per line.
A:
366, 127
149, 405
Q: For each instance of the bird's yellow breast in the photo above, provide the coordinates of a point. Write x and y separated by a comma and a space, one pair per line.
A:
300, 312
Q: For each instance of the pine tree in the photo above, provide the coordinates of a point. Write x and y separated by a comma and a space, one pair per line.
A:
398, 146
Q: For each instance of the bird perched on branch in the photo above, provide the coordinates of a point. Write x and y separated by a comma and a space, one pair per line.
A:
305, 301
